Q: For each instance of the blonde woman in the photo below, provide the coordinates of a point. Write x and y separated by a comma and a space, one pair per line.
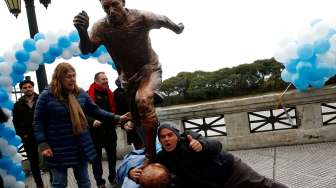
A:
60, 127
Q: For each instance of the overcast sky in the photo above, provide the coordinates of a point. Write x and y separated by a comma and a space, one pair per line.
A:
218, 33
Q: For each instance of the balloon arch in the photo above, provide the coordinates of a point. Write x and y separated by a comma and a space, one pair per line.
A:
43, 48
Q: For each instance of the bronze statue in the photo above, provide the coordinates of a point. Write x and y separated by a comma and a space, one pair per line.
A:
125, 33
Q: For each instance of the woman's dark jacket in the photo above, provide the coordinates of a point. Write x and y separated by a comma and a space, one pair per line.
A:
52, 126
209, 168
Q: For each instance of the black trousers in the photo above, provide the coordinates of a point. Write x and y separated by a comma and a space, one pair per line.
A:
33, 157
97, 168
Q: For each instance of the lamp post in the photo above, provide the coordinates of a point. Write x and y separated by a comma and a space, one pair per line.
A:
14, 7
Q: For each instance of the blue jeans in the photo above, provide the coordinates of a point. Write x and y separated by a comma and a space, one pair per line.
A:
60, 176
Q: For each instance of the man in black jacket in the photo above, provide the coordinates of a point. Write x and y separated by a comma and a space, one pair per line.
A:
103, 133
196, 161
23, 113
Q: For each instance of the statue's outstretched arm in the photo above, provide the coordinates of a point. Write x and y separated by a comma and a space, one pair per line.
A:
87, 44
163, 21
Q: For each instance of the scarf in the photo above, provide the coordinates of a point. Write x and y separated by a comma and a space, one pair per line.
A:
110, 94
78, 119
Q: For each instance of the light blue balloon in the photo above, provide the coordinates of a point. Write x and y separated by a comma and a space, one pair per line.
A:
321, 46
305, 51
29, 45
63, 42
312, 23
22, 55
2, 59
286, 76
300, 82
74, 36
39, 36
114, 66
324, 70
331, 33
15, 170
19, 68
9, 104
317, 84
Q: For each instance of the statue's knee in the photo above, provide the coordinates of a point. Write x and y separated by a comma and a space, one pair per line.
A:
143, 102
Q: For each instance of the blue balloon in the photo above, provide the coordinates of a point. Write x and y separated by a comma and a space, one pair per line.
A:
321, 46
15, 170
74, 36
97, 52
114, 66
19, 68
85, 56
2, 59
55, 50
16, 141
5, 163
21, 176
8, 133
22, 55
305, 51
3, 95
39, 36
29, 45
63, 42
48, 58
8, 104
331, 33
16, 78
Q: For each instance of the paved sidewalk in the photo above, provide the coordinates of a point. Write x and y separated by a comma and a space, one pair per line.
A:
299, 166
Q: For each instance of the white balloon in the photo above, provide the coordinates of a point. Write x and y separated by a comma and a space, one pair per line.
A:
42, 46
17, 47
19, 184
5, 80
36, 57
9, 181
9, 57
285, 41
31, 66
103, 59
17, 158
66, 54
328, 58
10, 151
3, 172
291, 50
3, 143
306, 37
320, 29
51, 37
75, 48
281, 57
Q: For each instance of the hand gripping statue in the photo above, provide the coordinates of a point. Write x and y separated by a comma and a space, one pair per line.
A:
125, 34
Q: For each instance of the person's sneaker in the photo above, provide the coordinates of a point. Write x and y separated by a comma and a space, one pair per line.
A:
102, 186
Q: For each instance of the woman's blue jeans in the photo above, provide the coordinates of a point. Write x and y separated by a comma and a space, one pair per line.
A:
60, 176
